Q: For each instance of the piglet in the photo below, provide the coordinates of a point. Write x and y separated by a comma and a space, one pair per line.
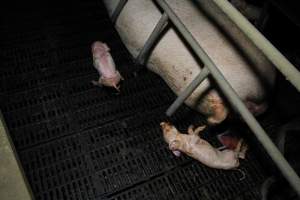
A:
196, 147
105, 66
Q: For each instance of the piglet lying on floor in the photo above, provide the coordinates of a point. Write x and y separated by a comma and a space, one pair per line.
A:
199, 149
105, 66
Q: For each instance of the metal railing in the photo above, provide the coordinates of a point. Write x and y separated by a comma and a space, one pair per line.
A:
291, 73
118, 10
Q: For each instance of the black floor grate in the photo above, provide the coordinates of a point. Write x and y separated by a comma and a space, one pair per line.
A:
78, 141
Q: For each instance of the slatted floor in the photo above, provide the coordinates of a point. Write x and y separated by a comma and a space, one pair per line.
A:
78, 141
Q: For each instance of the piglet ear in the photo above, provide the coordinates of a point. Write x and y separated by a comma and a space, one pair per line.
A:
106, 47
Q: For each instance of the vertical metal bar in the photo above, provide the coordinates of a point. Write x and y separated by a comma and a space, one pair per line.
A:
162, 23
188, 91
118, 10
279, 61
235, 101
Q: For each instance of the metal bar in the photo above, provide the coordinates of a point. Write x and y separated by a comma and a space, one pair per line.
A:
279, 60
118, 10
235, 101
154, 36
187, 91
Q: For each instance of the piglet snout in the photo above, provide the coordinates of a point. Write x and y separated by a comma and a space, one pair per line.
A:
163, 124
100, 46
166, 127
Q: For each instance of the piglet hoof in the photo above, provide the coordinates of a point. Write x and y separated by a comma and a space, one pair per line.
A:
243, 151
96, 83
117, 88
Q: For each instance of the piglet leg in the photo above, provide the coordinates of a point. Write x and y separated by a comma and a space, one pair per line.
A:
96, 83
199, 129
117, 87
241, 148
191, 130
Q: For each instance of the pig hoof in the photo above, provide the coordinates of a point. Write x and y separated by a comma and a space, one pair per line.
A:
214, 120
256, 109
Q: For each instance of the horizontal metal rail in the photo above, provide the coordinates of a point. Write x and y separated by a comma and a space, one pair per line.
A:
231, 95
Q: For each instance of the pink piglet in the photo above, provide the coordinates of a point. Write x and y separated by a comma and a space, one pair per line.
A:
105, 65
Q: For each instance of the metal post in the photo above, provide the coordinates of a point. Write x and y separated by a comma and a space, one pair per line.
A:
188, 91
118, 10
279, 61
162, 23
235, 101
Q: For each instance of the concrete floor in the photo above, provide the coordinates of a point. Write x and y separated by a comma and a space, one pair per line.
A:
13, 185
